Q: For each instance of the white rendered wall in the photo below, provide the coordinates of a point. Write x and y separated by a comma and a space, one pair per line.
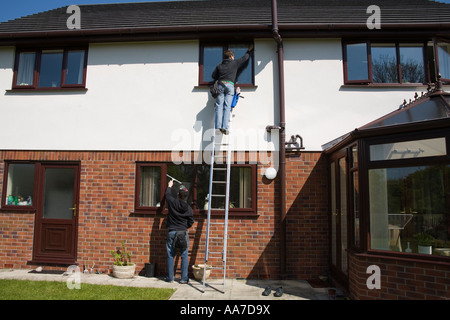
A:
317, 106
143, 96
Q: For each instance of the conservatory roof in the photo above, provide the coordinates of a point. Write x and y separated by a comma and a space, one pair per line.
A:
432, 106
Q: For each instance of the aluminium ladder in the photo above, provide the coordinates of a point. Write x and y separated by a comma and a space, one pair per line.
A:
219, 188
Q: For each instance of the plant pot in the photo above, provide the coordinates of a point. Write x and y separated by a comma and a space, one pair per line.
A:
149, 270
198, 270
124, 272
425, 249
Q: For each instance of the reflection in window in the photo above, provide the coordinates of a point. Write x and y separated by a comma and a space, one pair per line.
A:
411, 61
357, 66
183, 175
240, 188
409, 209
212, 56
51, 68
20, 184
384, 63
408, 149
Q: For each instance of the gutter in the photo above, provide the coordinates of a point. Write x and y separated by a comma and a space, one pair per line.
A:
282, 154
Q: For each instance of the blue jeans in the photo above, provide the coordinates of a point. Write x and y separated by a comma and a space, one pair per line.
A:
172, 252
223, 105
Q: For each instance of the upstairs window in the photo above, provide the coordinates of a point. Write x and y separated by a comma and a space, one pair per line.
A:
393, 62
50, 68
212, 54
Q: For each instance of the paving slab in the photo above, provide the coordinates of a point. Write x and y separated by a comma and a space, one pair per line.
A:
235, 289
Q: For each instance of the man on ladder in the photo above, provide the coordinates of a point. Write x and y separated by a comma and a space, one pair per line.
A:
226, 73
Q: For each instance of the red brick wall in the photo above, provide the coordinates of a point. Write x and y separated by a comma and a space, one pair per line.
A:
107, 184
401, 279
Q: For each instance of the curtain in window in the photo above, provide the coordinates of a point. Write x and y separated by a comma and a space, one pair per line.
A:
245, 185
25, 71
150, 186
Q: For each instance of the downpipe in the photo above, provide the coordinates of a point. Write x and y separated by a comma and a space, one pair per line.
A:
282, 135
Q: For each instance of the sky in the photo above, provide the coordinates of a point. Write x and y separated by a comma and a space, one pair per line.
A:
20, 8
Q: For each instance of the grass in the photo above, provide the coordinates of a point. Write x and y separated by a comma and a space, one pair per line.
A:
52, 290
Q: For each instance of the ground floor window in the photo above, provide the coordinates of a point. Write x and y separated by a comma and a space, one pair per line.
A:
19, 185
410, 209
152, 179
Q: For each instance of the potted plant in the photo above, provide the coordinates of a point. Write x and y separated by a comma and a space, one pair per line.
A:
424, 242
123, 268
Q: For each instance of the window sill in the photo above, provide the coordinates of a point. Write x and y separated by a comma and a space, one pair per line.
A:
412, 257
384, 85
47, 90
17, 210
242, 86
200, 213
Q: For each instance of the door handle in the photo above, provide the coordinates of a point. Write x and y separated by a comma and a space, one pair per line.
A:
74, 210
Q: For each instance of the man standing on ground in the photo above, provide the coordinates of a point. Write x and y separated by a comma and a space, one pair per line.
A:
179, 220
226, 73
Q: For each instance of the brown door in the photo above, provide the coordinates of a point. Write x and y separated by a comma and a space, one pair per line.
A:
55, 238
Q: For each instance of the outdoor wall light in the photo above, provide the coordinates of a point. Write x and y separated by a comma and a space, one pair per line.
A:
270, 173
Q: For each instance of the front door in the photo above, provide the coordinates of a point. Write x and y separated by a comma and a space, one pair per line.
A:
339, 239
55, 238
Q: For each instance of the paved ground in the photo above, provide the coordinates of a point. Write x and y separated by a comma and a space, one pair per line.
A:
235, 289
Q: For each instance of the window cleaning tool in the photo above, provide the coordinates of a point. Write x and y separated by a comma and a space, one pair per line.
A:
172, 178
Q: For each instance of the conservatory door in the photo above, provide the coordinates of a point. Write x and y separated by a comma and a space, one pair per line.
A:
339, 217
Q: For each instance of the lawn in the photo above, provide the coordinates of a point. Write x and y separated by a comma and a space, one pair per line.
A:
52, 290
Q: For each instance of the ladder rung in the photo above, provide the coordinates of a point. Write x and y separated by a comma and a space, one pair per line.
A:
218, 195
214, 268
221, 182
220, 169
218, 209
217, 223
215, 252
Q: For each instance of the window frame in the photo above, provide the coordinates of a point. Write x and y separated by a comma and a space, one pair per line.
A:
397, 44
138, 209
225, 45
37, 68
4, 206
385, 164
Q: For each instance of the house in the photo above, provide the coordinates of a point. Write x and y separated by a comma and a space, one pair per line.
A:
101, 103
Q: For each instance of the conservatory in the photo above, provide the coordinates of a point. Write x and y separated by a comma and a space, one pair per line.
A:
390, 197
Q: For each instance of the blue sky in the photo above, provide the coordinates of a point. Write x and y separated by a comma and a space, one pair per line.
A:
21, 8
